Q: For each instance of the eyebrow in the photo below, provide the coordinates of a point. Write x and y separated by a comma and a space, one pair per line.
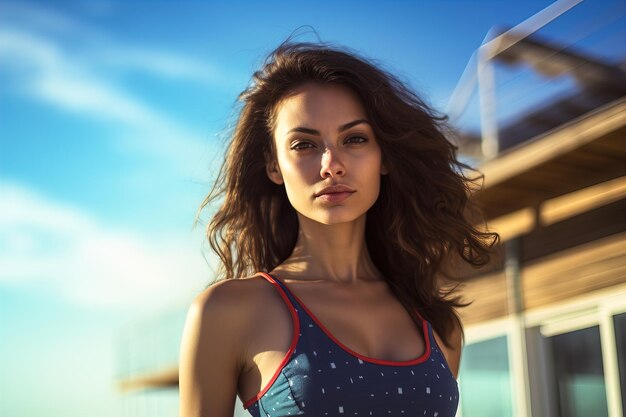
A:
317, 133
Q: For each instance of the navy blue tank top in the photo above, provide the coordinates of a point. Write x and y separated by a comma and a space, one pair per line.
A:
319, 376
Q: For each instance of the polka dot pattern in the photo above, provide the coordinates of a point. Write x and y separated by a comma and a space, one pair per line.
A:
321, 377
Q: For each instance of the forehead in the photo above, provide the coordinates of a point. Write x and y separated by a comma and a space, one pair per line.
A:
318, 106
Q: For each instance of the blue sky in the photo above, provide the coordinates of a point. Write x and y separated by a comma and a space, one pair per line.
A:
112, 121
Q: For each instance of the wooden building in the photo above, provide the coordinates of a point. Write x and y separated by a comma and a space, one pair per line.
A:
546, 332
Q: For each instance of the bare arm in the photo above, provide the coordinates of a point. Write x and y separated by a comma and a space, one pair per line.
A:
210, 353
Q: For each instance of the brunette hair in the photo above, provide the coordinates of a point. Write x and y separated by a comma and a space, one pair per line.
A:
420, 218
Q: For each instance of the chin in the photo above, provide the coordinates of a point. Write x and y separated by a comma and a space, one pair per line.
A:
332, 217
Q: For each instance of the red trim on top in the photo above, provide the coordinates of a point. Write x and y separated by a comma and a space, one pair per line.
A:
294, 340
415, 361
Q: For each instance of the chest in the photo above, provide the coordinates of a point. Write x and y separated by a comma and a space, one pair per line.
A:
373, 329
383, 365
334, 383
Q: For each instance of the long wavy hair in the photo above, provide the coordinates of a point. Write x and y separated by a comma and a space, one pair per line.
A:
417, 225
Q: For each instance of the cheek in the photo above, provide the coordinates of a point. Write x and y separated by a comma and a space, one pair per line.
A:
296, 179
298, 169
374, 170
374, 162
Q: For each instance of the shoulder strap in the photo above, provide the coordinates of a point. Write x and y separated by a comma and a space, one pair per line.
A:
282, 289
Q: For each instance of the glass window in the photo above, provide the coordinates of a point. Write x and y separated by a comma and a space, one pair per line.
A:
620, 337
484, 379
578, 373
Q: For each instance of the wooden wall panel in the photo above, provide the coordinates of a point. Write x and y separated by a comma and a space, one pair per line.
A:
576, 271
488, 294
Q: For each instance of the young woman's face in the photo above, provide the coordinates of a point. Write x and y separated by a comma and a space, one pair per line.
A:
322, 139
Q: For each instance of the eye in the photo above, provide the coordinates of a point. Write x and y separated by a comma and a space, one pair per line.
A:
298, 146
360, 139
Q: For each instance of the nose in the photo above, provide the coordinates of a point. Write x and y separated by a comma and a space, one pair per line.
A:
331, 164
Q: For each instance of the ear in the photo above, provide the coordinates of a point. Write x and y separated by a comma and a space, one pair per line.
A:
383, 169
273, 172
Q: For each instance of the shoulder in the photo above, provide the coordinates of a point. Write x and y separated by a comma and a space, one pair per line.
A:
234, 299
452, 353
218, 304
212, 349
237, 301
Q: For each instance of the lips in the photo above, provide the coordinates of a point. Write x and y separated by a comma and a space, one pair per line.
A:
334, 197
335, 189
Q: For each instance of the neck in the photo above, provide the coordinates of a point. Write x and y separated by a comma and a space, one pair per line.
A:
335, 253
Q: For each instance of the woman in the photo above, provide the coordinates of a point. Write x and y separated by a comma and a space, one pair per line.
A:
343, 204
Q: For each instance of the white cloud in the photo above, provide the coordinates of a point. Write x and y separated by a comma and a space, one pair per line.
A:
34, 47
101, 49
38, 17
59, 249
163, 64
61, 81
